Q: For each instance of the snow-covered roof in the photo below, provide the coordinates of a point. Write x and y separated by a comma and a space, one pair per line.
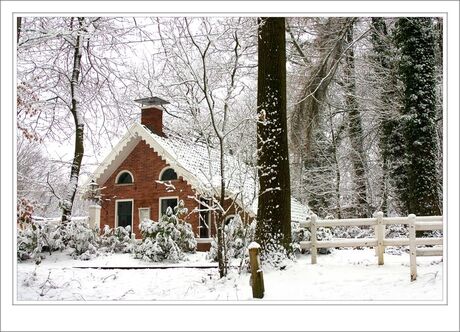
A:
197, 164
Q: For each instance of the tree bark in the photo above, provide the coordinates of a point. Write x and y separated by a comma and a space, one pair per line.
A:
274, 204
355, 130
69, 198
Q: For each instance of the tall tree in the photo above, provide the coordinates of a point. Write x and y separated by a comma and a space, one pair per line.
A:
75, 96
416, 39
391, 136
355, 129
274, 206
67, 73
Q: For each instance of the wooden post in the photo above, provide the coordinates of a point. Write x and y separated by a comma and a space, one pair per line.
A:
313, 249
412, 248
380, 235
257, 276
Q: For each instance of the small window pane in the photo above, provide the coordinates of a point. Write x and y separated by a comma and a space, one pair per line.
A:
168, 202
204, 218
144, 213
168, 175
125, 178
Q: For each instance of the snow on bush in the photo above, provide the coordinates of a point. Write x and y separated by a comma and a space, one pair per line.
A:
167, 239
29, 242
116, 240
34, 238
237, 236
81, 238
352, 232
299, 234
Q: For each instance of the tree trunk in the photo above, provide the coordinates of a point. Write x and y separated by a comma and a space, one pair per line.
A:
67, 203
384, 82
221, 248
416, 39
355, 130
274, 204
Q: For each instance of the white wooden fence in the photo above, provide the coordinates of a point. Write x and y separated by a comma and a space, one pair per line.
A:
379, 242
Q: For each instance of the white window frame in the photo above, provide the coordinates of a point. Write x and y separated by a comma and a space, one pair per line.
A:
118, 176
132, 211
144, 209
159, 203
164, 170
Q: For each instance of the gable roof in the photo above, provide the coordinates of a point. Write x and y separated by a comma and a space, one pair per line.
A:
197, 164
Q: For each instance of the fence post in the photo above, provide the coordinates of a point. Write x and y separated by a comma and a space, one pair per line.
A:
412, 248
313, 249
257, 276
380, 235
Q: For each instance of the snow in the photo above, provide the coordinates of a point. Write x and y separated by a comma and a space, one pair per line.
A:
253, 245
344, 275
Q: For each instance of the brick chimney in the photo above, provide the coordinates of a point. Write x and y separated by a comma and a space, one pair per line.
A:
152, 113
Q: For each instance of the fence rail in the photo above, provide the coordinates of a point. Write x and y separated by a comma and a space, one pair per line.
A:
379, 242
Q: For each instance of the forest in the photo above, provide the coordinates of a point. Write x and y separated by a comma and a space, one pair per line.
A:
364, 100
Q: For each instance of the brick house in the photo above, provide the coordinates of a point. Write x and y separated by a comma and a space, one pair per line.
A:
147, 172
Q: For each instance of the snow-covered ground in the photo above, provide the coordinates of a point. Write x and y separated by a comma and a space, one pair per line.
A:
344, 275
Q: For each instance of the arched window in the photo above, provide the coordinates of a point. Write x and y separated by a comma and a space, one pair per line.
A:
124, 177
168, 174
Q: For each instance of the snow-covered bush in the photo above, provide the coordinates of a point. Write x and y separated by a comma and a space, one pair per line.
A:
80, 237
237, 237
352, 232
29, 242
167, 239
324, 234
116, 240
396, 231
299, 233
37, 237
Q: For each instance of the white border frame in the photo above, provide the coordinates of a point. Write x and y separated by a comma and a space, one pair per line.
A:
42, 318
120, 173
132, 211
159, 203
164, 170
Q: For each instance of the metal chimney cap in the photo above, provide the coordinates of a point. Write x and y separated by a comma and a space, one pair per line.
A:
148, 101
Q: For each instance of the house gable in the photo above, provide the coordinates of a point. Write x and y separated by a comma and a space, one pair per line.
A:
124, 148
145, 165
